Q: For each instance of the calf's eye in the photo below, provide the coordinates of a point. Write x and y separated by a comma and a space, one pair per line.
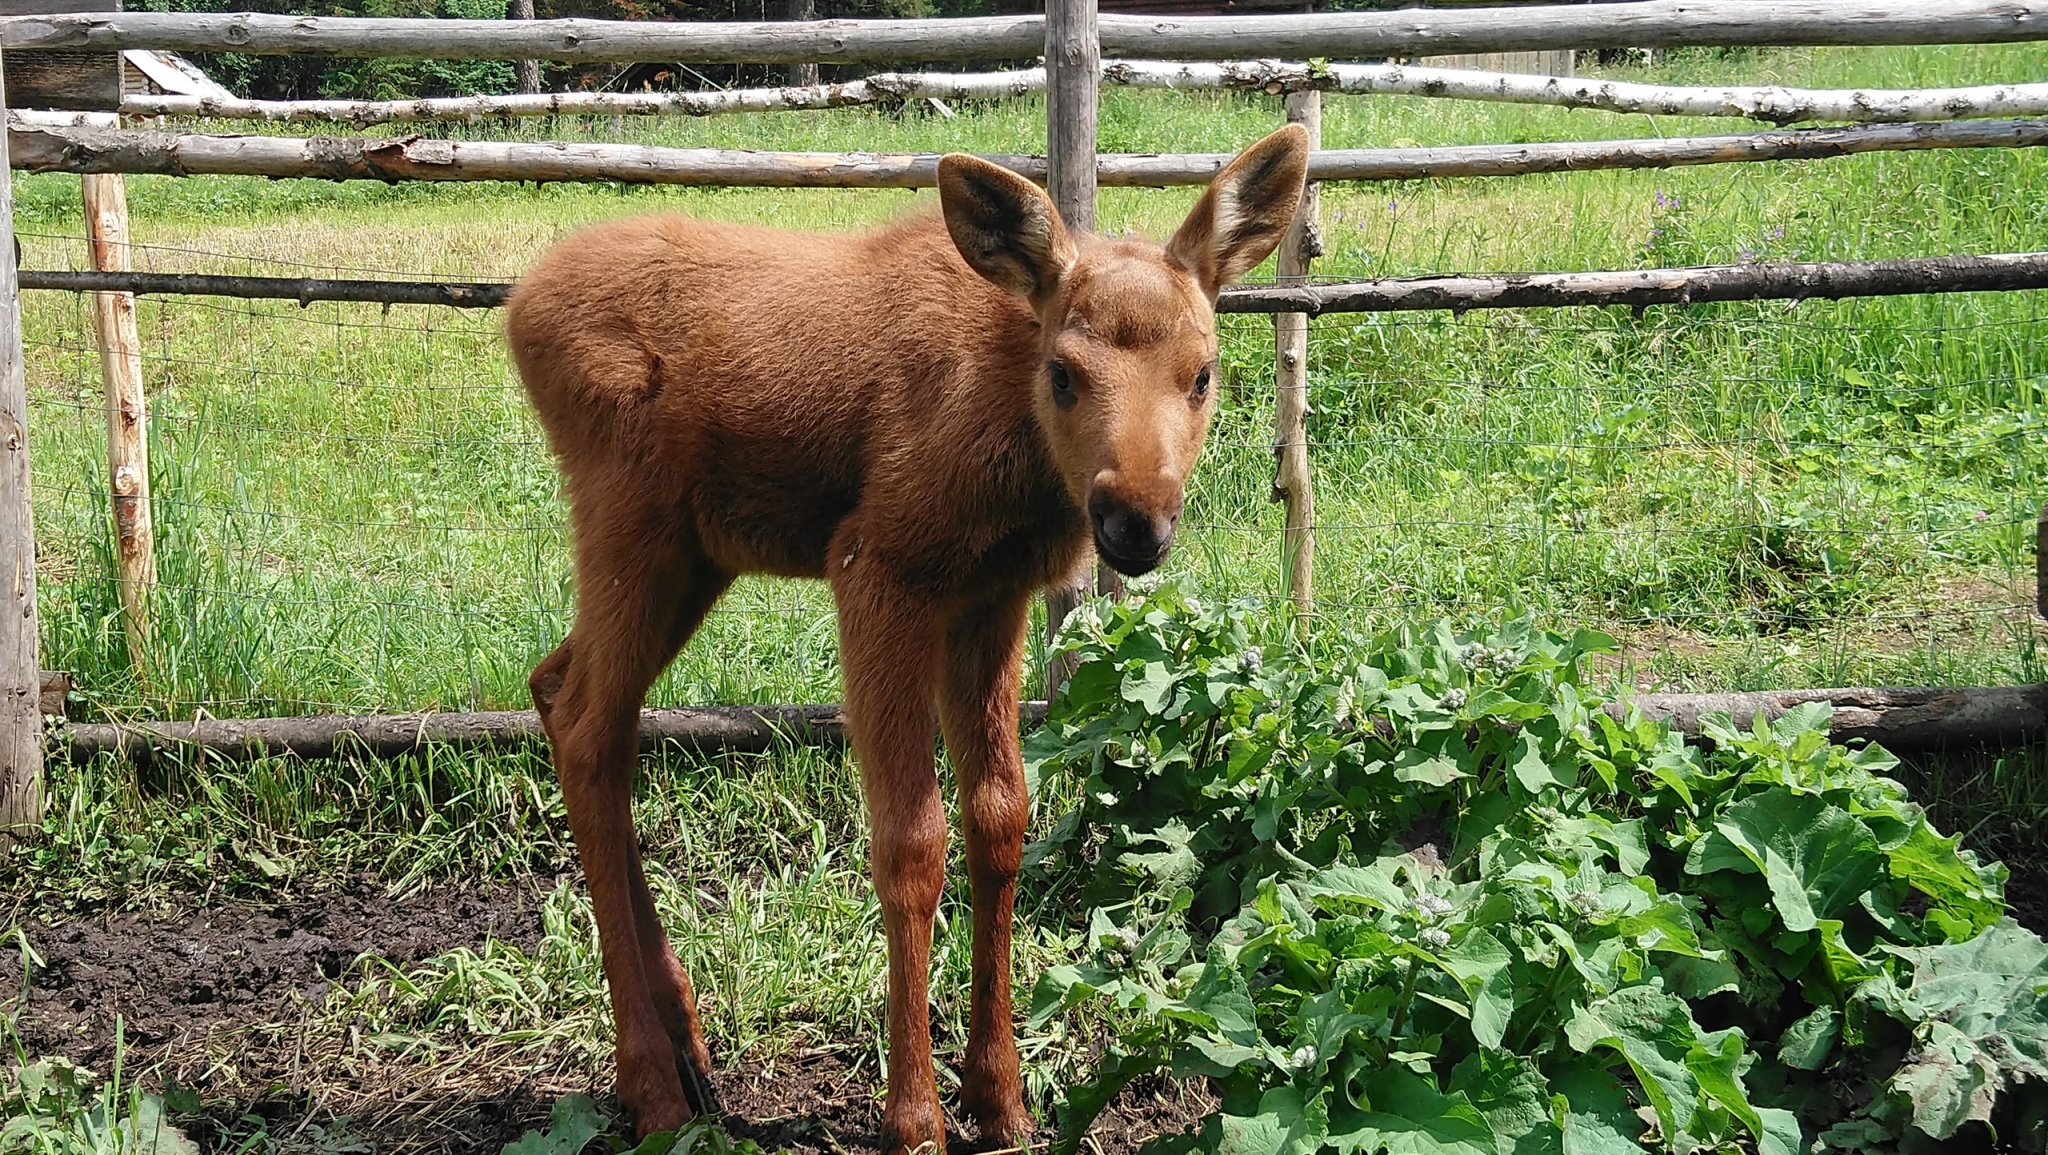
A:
1062, 384
1201, 389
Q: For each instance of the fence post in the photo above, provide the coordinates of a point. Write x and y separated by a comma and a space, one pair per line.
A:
106, 226
21, 717
1073, 65
2041, 563
807, 72
1291, 482
528, 70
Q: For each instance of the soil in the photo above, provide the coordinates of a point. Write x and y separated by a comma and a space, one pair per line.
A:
2027, 891
177, 984
218, 1002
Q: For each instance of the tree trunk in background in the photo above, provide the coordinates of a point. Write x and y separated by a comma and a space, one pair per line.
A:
529, 70
803, 10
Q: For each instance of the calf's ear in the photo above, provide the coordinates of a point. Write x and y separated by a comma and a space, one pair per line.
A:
1240, 219
1004, 226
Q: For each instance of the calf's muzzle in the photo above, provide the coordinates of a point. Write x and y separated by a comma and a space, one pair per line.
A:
1132, 540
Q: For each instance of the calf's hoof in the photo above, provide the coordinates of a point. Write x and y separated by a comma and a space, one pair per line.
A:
698, 1088
918, 1130
656, 1102
1001, 1130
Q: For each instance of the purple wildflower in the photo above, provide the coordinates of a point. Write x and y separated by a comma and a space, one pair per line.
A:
1778, 234
1746, 256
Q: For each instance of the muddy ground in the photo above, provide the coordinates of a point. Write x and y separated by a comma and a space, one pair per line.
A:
218, 1002
221, 1000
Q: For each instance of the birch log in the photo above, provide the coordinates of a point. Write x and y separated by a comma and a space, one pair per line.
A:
21, 680
1342, 35
1291, 482
106, 224
1773, 281
39, 148
884, 88
1774, 104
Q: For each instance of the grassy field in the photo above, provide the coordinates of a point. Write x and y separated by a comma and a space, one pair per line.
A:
355, 512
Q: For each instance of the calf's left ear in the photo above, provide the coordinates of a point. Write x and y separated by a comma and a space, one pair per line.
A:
1240, 219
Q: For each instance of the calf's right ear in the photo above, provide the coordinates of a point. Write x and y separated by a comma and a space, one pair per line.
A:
1004, 226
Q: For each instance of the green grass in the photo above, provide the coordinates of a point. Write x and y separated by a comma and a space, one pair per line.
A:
355, 510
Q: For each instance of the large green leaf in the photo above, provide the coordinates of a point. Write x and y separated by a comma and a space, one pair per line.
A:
1981, 1024
1595, 1114
572, 1124
1654, 1033
1817, 858
1480, 964
1287, 1123
1807, 1043
1402, 1114
1935, 866
1510, 1093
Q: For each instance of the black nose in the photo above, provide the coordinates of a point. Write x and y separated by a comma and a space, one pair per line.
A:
1131, 541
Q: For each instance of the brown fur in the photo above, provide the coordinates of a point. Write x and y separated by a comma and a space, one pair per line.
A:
877, 411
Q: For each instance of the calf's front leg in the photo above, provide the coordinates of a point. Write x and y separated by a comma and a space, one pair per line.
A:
889, 643
978, 711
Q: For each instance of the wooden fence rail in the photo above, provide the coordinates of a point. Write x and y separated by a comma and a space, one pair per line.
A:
1772, 103
1902, 719
1340, 35
1635, 288
84, 149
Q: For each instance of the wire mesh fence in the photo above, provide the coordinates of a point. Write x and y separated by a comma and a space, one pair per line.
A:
355, 510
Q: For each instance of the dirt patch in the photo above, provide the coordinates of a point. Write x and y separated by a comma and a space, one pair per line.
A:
179, 983
221, 1002
814, 1104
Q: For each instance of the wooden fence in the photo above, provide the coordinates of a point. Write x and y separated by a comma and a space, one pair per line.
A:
1073, 41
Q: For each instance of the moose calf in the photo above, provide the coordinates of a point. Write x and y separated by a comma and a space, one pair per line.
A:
935, 418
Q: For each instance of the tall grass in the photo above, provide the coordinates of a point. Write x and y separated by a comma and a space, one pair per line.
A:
355, 510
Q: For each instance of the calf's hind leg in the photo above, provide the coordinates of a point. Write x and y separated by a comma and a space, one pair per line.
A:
638, 603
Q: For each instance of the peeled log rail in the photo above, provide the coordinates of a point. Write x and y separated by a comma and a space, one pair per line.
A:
1345, 35
2003, 272
883, 88
305, 290
1770, 103
735, 728
43, 148
1775, 281
1900, 719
